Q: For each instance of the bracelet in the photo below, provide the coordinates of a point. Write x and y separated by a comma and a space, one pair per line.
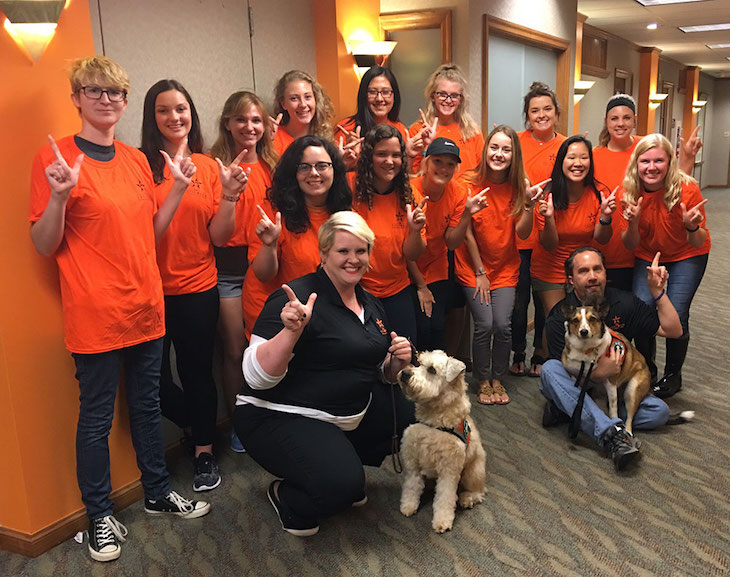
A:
692, 229
661, 294
480, 272
230, 198
610, 220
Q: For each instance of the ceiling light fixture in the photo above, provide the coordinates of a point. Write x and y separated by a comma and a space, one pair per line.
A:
718, 46
652, 26
656, 99
661, 2
705, 28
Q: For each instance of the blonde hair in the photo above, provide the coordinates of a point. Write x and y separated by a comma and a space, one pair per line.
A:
225, 147
98, 69
672, 181
452, 73
345, 221
515, 177
321, 124
604, 137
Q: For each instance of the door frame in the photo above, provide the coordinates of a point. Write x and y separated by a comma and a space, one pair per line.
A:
421, 20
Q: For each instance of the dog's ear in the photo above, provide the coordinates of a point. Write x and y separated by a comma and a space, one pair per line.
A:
602, 308
567, 309
454, 367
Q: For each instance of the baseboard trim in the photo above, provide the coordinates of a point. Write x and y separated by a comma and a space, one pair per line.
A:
32, 545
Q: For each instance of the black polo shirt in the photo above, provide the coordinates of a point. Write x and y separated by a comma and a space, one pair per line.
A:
627, 314
336, 359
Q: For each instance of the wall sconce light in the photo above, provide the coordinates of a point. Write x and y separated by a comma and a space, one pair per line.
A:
580, 89
656, 99
32, 23
697, 105
370, 53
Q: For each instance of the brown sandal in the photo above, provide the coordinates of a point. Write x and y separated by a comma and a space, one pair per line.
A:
500, 394
485, 390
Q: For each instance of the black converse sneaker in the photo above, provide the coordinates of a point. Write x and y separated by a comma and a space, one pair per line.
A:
105, 536
624, 448
174, 504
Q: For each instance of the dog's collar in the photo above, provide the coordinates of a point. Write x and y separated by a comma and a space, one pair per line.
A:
463, 431
616, 342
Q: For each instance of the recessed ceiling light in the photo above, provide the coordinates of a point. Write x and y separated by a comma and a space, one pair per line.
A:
718, 46
652, 26
660, 2
705, 27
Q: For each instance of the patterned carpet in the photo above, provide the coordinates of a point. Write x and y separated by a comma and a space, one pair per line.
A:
554, 507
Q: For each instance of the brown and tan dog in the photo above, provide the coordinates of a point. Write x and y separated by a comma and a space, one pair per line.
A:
587, 338
444, 444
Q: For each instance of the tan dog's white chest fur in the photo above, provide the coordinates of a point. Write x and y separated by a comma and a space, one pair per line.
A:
438, 389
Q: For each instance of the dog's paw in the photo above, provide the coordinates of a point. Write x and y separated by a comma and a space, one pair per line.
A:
468, 499
408, 509
442, 525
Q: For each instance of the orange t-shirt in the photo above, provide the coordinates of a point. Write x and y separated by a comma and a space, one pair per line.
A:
575, 226
349, 125
609, 168
282, 140
185, 253
470, 150
388, 274
664, 231
298, 254
259, 181
111, 290
440, 215
494, 231
538, 158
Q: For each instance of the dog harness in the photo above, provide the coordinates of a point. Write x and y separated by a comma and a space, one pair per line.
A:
616, 344
463, 431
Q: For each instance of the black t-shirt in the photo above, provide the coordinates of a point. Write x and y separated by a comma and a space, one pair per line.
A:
335, 363
627, 314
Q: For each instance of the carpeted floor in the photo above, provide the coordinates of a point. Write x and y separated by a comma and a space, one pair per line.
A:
554, 507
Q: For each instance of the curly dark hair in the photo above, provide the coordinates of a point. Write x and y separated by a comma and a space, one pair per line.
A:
558, 185
288, 198
364, 183
152, 141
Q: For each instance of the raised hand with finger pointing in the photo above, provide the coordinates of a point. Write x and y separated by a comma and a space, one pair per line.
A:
61, 177
181, 167
296, 315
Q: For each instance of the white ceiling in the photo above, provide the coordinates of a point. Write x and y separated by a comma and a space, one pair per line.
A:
628, 19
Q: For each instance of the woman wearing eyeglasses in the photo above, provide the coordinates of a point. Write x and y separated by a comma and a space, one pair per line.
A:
305, 109
447, 101
378, 102
308, 186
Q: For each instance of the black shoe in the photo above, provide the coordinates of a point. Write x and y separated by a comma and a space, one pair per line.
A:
297, 527
668, 386
105, 536
622, 445
206, 475
552, 416
174, 504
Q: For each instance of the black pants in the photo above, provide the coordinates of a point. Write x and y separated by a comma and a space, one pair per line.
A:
519, 313
402, 313
191, 328
321, 465
432, 331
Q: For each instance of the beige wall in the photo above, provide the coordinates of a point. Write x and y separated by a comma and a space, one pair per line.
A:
717, 142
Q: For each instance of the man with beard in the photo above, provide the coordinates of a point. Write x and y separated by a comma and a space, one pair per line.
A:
586, 276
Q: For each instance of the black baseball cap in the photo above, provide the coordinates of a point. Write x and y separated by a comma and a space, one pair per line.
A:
443, 146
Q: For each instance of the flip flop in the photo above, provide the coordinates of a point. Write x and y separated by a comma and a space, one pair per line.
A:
535, 366
501, 393
520, 371
485, 389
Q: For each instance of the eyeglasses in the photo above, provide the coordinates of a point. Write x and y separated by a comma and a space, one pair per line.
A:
95, 93
385, 92
444, 96
320, 167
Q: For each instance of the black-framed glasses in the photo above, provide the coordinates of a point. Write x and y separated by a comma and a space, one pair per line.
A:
96, 92
444, 96
320, 167
384, 92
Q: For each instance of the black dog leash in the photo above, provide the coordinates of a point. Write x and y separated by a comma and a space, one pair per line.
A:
575, 418
394, 443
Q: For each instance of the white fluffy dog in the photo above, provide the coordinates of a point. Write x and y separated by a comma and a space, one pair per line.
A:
444, 444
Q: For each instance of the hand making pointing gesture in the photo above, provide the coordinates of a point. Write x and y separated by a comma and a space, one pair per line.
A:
268, 231
233, 177
296, 315
61, 177
416, 216
181, 168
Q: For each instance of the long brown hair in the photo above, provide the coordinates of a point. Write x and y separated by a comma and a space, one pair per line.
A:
321, 124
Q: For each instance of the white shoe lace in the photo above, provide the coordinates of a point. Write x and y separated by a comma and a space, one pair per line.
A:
180, 502
107, 530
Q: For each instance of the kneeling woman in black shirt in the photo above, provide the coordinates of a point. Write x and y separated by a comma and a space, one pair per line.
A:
316, 405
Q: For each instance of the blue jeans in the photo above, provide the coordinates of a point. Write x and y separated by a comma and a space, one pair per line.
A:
98, 376
558, 386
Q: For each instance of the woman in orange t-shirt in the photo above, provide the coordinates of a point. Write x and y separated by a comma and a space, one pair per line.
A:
487, 265
539, 143
446, 105
383, 197
205, 216
304, 107
309, 185
378, 102
666, 214
576, 211
244, 132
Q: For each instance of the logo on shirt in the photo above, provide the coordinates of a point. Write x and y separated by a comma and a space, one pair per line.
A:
592, 218
142, 194
617, 324
381, 326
